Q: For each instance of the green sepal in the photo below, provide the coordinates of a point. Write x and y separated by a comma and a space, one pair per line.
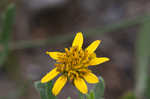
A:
91, 95
45, 90
99, 89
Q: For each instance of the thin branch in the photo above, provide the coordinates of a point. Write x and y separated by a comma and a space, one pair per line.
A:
65, 37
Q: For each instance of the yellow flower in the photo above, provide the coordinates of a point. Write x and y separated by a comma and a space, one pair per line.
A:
73, 64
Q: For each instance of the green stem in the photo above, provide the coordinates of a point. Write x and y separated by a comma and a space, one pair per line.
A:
143, 54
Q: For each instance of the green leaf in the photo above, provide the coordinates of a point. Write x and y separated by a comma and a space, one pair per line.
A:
99, 89
5, 35
45, 90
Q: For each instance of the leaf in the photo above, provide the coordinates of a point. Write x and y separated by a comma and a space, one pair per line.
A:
5, 35
99, 89
45, 90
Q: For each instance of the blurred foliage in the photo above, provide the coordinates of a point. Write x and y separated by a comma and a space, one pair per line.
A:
61, 38
45, 90
147, 94
142, 55
69, 98
5, 34
129, 95
142, 88
3, 3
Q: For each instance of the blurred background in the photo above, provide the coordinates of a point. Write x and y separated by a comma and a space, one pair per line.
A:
29, 28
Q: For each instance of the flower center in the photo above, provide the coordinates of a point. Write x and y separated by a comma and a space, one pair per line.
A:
74, 62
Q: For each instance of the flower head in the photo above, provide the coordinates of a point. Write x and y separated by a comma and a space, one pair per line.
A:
73, 64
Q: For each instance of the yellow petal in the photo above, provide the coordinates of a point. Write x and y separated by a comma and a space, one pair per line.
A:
91, 78
59, 84
49, 76
54, 55
81, 85
92, 47
78, 40
100, 60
